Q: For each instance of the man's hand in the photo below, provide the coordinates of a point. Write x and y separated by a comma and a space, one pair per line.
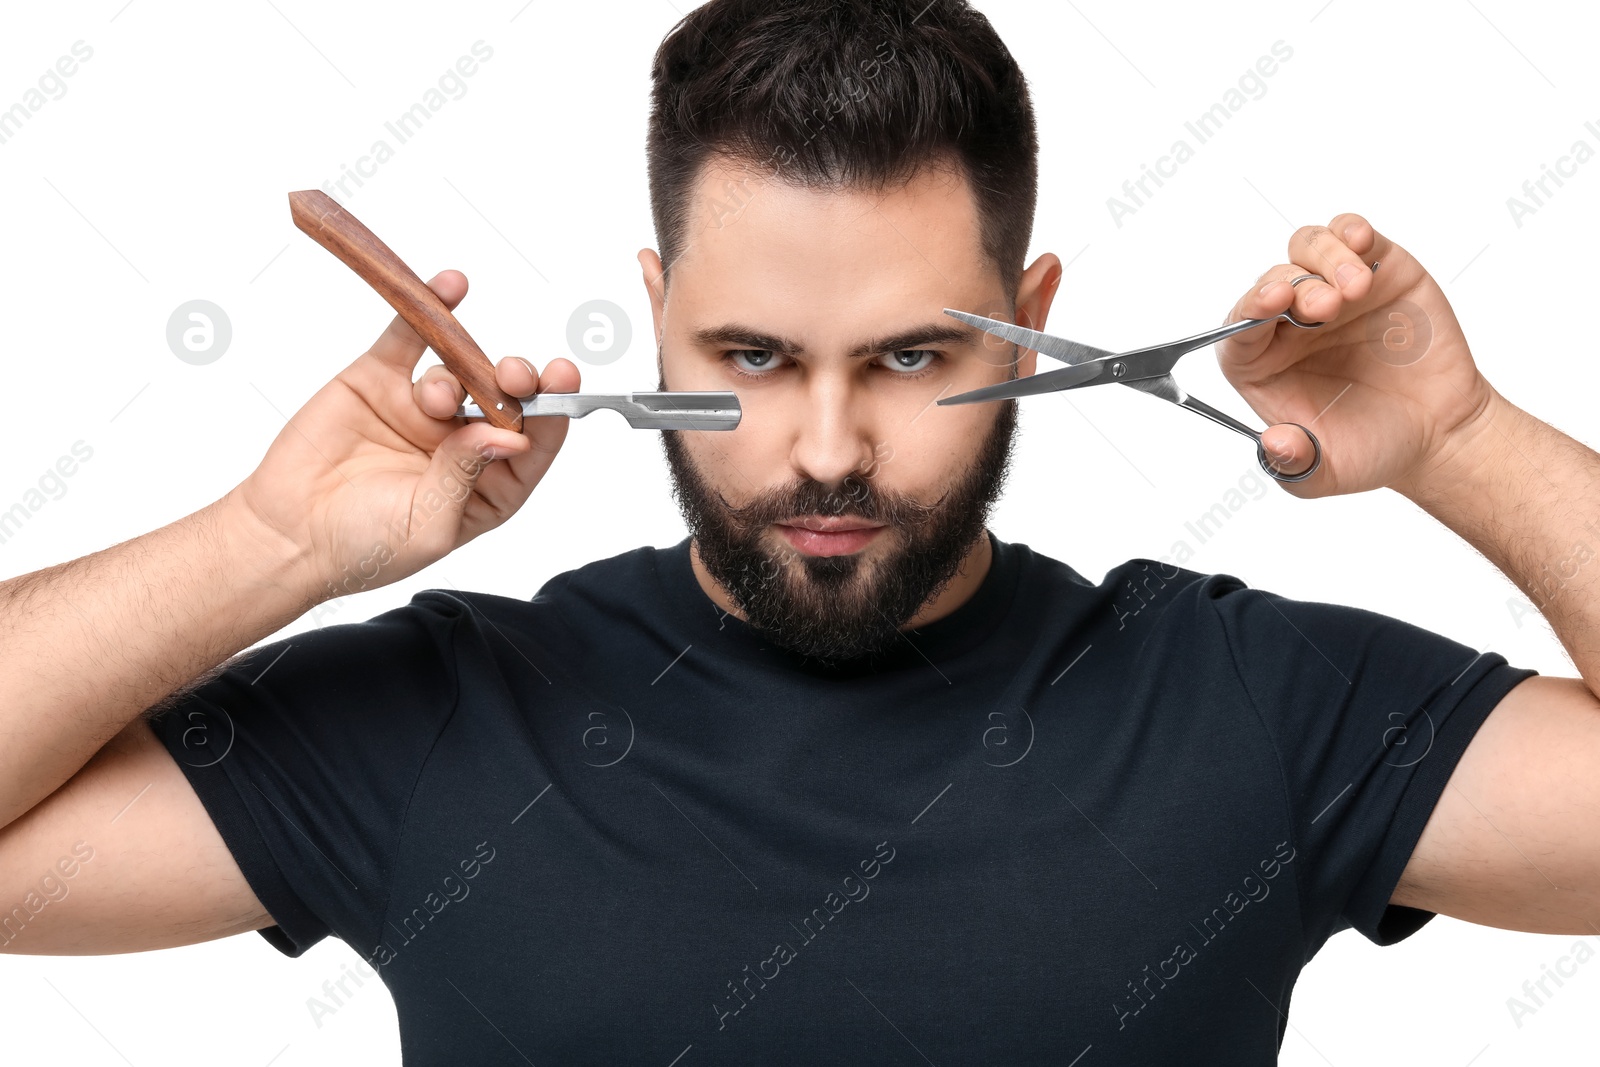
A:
1387, 384
375, 477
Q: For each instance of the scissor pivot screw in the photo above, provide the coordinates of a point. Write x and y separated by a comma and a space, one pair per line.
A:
1118, 369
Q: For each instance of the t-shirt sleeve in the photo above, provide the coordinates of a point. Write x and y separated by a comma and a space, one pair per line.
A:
1369, 716
304, 752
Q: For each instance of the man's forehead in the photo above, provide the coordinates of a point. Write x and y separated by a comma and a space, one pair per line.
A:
827, 269
748, 232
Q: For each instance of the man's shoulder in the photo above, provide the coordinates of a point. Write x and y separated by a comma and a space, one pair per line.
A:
1147, 576
610, 575
1148, 591
624, 578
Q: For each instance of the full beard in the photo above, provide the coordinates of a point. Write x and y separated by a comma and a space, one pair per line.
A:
841, 608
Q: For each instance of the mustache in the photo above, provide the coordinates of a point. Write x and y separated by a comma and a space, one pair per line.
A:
854, 496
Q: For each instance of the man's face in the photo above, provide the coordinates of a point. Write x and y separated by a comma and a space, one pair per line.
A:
846, 499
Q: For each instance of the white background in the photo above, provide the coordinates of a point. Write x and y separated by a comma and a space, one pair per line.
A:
160, 177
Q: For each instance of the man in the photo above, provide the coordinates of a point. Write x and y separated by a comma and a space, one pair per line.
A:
841, 777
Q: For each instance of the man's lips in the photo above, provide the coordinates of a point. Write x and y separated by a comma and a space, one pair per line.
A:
830, 525
835, 536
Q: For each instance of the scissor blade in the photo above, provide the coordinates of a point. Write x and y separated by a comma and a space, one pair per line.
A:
1033, 384
683, 410
1056, 347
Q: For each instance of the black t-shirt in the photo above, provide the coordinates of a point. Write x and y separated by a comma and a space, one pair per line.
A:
612, 824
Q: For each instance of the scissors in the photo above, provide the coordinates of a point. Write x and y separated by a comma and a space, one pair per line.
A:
1146, 369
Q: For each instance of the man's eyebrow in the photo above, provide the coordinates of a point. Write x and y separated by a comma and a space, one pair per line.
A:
931, 333
734, 335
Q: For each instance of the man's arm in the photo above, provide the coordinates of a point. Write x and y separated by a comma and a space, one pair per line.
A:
1515, 839
87, 645
1528, 497
373, 479
122, 858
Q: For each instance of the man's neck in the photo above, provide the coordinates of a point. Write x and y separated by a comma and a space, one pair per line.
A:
968, 577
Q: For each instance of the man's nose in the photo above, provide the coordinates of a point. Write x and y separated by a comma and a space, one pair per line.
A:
834, 435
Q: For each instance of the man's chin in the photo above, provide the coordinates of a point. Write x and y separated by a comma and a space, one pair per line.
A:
821, 607
849, 604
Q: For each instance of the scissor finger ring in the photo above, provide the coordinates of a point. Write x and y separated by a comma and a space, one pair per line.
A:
1289, 315
1316, 459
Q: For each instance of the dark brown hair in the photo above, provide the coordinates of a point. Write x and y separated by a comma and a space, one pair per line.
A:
844, 93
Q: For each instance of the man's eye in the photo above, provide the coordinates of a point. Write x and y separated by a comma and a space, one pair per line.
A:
755, 359
760, 362
910, 361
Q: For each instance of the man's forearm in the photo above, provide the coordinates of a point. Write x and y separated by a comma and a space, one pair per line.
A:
1528, 497
87, 645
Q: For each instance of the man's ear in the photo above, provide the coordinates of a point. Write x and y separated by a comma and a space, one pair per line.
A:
1035, 293
655, 283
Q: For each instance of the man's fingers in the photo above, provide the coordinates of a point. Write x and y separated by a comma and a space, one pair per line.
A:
526, 456
560, 376
1271, 296
1361, 238
1324, 251
516, 376
438, 393
1315, 299
1312, 300
399, 346
544, 433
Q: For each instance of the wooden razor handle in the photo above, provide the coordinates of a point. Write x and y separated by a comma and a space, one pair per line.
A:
341, 233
